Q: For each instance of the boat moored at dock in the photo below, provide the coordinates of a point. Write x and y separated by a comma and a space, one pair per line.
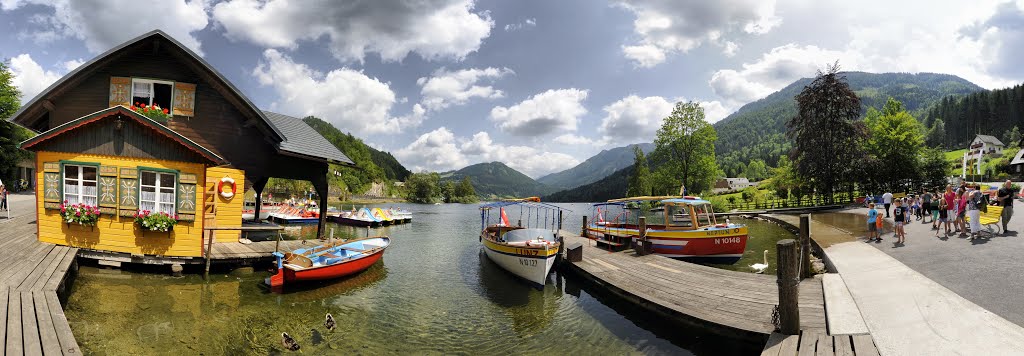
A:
527, 251
685, 228
328, 261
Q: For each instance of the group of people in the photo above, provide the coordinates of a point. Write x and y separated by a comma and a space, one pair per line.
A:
950, 211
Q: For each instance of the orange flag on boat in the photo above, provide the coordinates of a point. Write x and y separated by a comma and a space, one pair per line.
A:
504, 219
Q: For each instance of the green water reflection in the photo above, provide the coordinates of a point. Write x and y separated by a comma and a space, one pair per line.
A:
434, 292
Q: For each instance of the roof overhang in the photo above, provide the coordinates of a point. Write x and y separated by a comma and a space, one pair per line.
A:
197, 63
128, 113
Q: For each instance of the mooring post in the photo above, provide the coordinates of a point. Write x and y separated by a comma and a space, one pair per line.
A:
367, 231
583, 231
642, 246
805, 245
559, 220
788, 281
209, 252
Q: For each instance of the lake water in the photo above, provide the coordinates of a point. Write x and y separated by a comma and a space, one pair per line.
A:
434, 293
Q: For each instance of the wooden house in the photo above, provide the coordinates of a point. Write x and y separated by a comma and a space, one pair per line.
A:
94, 149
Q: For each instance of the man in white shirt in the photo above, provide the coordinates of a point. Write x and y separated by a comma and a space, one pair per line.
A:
887, 200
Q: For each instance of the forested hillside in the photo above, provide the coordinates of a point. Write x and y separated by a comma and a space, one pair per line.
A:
757, 130
496, 180
954, 121
374, 166
594, 168
610, 187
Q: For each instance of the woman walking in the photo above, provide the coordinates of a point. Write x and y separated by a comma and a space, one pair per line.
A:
974, 212
961, 212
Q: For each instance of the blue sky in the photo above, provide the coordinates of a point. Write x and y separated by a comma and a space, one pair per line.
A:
539, 85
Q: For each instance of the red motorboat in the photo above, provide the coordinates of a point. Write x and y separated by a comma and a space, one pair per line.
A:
328, 261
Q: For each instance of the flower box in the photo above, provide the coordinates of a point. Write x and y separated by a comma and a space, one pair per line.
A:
152, 221
79, 214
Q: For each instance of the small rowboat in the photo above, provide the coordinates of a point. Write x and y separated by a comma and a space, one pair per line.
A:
328, 261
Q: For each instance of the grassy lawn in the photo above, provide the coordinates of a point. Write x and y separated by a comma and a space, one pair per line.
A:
955, 155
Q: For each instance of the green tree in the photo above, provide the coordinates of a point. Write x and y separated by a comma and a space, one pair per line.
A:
936, 134
640, 180
423, 188
1012, 137
825, 133
448, 192
756, 170
11, 135
895, 139
685, 144
934, 168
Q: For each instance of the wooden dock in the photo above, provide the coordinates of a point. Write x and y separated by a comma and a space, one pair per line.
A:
235, 251
33, 321
733, 304
810, 343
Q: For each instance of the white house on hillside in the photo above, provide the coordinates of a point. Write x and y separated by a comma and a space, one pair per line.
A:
983, 146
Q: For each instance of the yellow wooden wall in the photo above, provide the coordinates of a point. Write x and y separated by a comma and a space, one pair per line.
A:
228, 212
119, 234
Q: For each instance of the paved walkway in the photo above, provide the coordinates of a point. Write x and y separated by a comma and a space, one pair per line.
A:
909, 313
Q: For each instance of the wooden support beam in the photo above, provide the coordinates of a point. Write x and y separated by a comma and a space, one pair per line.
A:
805, 246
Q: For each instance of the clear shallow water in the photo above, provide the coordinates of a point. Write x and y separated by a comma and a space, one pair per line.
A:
434, 293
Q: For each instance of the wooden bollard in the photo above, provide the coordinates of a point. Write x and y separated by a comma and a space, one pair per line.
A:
559, 220
805, 245
789, 282
583, 230
643, 247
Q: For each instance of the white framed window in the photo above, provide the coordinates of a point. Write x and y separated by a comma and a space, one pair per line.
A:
157, 192
150, 91
80, 184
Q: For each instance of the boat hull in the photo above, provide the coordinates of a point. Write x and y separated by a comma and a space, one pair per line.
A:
714, 245
532, 265
332, 271
353, 222
293, 220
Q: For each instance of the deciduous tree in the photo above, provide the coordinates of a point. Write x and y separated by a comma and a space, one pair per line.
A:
825, 133
896, 140
686, 144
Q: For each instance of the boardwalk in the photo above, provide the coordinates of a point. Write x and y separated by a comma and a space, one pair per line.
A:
33, 321
735, 304
262, 250
811, 343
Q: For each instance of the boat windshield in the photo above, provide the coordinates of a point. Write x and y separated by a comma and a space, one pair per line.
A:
705, 216
679, 216
520, 235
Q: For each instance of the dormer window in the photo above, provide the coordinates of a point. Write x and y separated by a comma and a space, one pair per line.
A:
150, 92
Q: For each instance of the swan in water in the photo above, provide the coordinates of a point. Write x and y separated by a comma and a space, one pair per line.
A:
760, 267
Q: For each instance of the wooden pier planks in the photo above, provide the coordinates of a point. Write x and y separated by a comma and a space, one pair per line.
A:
735, 300
32, 320
812, 343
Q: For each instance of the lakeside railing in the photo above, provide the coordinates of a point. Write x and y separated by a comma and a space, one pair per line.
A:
781, 203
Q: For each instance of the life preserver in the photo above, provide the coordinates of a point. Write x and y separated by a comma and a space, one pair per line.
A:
220, 188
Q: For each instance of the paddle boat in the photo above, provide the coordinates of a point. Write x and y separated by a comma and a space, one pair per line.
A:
361, 218
327, 261
683, 228
525, 251
381, 216
296, 215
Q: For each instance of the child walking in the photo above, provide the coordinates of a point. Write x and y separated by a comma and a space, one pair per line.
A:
943, 217
872, 219
899, 216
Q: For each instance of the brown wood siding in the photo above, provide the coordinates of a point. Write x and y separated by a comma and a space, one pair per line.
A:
133, 140
218, 125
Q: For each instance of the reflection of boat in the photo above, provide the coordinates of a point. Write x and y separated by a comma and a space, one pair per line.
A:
527, 252
322, 290
531, 311
686, 228
328, 261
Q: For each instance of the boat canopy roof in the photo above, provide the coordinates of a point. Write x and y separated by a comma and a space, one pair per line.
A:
525, 203
685, 201
667, 200
615, 203
643, 198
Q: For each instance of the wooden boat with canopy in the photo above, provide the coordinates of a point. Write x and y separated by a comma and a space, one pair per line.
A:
682, 227
527, 250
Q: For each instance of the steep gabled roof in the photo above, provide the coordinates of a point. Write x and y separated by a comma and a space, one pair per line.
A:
125, 112
989, 139
301, 139
85, 69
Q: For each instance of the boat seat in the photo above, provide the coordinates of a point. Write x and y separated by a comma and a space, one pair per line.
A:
330, 255
353, 249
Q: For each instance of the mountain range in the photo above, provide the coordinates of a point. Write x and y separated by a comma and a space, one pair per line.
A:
757, 130
594, 168
496, 180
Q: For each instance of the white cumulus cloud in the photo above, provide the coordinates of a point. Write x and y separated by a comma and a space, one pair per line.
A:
530, 22
667, 27
440, 150
433, 29
29, 77
544, 113
345, 97
103, 24
634, 119
445, 88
